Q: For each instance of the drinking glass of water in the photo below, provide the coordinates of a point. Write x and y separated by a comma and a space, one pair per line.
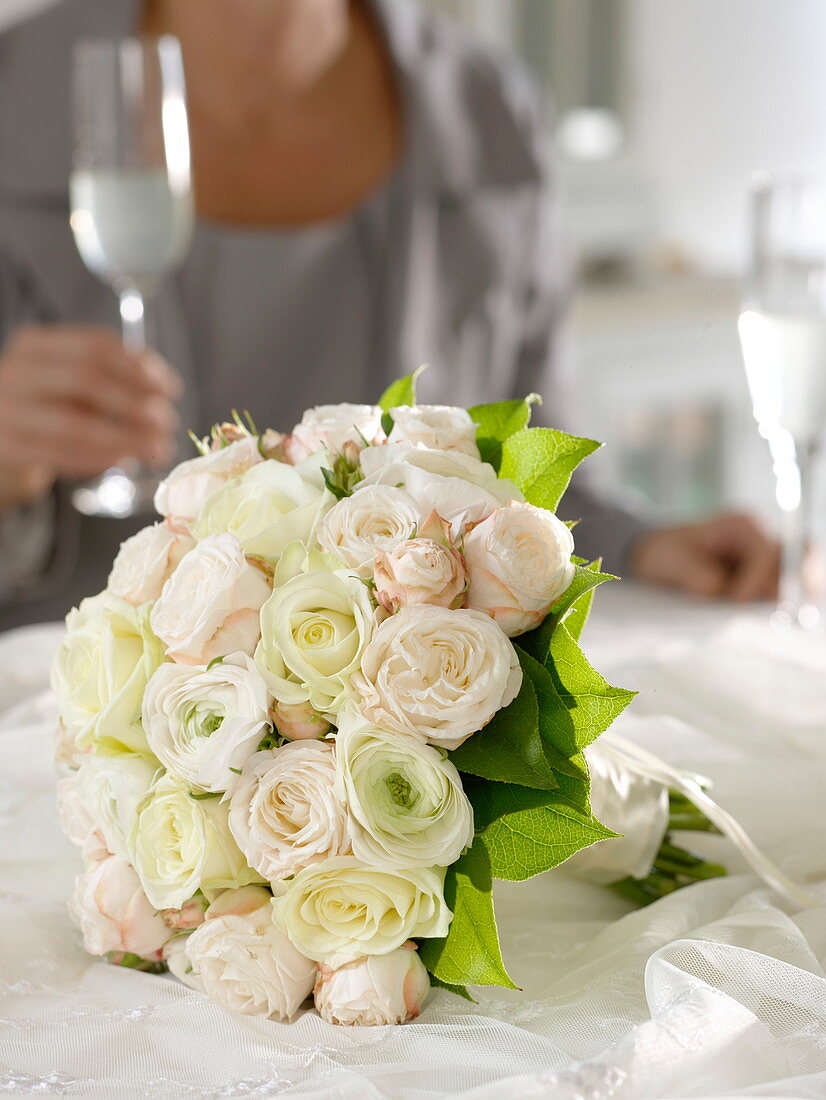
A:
132, 209
783, 336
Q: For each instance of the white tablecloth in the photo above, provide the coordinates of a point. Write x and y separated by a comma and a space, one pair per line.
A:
718, 991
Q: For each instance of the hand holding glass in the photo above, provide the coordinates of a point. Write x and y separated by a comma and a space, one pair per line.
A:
131, 198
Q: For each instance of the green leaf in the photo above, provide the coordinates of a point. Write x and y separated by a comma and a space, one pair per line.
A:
510, 749
526, 836
459, 990
540, 462
579, 595
470, 953
578, 610
497, 422
400, 392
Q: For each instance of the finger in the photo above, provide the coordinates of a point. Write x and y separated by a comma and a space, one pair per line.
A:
702, 575
756, 576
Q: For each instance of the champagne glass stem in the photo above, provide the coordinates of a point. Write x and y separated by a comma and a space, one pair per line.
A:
133, 318
794, 483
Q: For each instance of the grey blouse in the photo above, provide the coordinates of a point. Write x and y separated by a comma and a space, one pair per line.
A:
455, 261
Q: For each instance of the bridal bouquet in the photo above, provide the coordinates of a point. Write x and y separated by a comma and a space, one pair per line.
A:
325, 702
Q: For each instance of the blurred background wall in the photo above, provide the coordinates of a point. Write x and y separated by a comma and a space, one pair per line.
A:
663, 109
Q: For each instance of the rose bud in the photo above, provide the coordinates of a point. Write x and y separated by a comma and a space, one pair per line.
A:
375, 989
189, 916
299, 721
419, 570
114, 914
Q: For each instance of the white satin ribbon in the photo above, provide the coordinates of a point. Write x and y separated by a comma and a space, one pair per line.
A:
645, 766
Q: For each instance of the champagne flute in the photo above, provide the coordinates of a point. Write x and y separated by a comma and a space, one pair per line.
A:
783, 336
132, 210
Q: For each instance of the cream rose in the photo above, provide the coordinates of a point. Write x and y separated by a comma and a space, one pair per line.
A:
99, 802
244, 962
519, 564
341, 909
209, 606
374, 990
188, 487
314, 630
182, 844
266, 508
203, 723
438, 427
284, 813
145, 562
330, 427
405, 801
425, 569
114, 914
376, 517
100, 673
77, 821
437, 675
175, 957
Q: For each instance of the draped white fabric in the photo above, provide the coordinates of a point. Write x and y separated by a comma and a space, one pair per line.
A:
718, 991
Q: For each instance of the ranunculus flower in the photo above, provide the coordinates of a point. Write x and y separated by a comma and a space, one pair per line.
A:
374, 990
244, 962
266, 508
519, 564
299, 721
314, 630
341, 909
285, 813
437, 675
376, 517
438, 427
145, 562
100, 673
405, 801
209, 606
425, 569
114, 914
190, 484
331, 427
203, 723
183, 844
99, 802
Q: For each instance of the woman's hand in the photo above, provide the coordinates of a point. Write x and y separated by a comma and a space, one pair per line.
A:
73, 402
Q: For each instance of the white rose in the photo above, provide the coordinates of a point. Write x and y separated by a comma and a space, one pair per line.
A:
437, 675
314, 630
101, 800
337, 911
183, 844
405, 801
374, 518
285, 813
438, 427
203, 723
244, 962
374, 990
188, 487
209, 606
100, 673
145, 562
266, 508
519, 564
330, 427
114, 914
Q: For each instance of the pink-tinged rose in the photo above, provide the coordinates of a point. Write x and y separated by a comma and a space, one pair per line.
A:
114, 914
78, 822
66, 748
375, 517
188, 487
272, 444
146, 561
299, 721
519, 563
425, 569
243, 961
331, 428
438, 427
373, 990
189, 916
209, 606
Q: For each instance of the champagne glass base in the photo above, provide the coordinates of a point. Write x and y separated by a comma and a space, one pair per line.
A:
118, 493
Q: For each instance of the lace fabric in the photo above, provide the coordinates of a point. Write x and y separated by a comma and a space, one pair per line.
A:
717, 991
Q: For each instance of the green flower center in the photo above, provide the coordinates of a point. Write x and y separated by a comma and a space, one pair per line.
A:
400, 789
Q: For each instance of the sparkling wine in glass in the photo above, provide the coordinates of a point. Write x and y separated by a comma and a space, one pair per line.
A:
132, 210
783, 336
